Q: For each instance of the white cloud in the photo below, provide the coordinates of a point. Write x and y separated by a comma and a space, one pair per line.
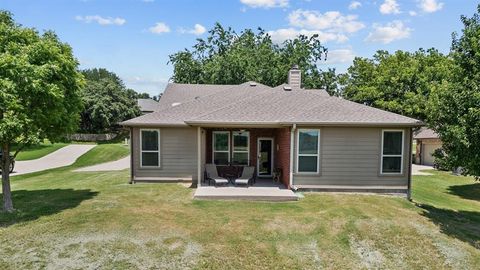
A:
329, 26
283, 34
412, 13
101, 20
339, 56
354, 5
430, 6
332, 21
387, 33
197, 30
265, 3
390, 7
159, 28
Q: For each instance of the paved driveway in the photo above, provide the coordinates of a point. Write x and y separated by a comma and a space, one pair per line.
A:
416, 169
64, 156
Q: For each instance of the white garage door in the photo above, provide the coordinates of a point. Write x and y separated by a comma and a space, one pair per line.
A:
428, 150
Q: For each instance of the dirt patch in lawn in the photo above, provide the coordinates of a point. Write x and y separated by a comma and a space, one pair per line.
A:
95, 251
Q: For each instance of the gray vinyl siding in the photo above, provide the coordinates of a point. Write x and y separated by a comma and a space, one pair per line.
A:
351, 157
178, 154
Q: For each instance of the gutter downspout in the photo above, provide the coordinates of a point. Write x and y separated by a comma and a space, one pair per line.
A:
409, 191
292, 145
131, 156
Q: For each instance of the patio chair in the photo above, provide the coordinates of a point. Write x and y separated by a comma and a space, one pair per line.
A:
212, 175
246, 176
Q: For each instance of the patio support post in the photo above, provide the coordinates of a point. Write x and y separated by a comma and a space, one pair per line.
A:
292, 145
409, 191
199, 156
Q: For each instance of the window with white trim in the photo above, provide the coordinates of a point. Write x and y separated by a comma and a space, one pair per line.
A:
241, 149
221, 147
392, 152
150, 148
308, 150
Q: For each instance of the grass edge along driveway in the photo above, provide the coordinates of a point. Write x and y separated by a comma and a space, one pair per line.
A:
38, 151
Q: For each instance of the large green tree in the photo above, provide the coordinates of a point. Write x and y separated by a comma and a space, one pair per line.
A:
106, 102
39, 87
400, 82
228, 57
455, 106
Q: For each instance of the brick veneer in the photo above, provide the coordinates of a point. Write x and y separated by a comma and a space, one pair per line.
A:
282, 157
281, 147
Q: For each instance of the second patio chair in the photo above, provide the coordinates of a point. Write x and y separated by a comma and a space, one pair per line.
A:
247, 175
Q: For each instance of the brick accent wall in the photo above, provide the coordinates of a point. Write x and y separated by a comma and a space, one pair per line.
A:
281, 147
282, 157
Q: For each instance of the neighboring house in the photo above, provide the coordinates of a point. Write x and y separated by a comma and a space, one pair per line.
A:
318, 141
427, 142
147, 105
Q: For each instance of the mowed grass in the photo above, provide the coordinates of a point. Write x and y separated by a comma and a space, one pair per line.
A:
452, 203
38, 150
68, 220
102, 153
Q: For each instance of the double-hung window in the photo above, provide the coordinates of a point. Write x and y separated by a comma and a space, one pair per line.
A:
221, 147
240, 151
150, 148
392, 152
308, 150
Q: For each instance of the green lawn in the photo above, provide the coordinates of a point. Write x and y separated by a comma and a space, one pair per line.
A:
38, 151
102, 153
71, 220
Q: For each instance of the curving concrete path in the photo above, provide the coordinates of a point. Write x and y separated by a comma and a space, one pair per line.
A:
64, 156
116, 165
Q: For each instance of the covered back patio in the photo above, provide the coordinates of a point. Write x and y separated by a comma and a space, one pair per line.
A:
230, 150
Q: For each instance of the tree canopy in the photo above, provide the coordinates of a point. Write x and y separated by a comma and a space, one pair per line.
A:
400, 82
40, 87
228, 57
106, 102
455, 105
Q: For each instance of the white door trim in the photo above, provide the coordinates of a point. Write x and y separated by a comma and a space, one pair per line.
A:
271, 153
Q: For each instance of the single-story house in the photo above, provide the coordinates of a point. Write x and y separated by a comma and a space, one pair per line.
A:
427, 142
147, 105
315, 140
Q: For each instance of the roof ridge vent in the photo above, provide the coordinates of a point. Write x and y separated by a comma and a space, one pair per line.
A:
287, 88
253, 84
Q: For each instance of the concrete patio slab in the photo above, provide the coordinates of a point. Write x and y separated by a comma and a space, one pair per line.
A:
245, 193
116, 165
64, 156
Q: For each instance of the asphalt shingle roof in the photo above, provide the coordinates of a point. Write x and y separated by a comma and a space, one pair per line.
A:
181, 93
260, 104
425, 133
147, 104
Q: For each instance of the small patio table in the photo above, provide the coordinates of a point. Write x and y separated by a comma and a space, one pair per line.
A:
231, 176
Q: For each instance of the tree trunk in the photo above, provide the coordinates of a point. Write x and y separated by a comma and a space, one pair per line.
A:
7, 193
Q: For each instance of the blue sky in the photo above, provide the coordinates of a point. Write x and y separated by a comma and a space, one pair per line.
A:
133, 38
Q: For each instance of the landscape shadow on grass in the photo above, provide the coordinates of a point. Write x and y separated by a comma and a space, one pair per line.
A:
33, 204
463, 225
470, 192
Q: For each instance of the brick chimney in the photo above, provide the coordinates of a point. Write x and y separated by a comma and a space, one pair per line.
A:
295, 77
